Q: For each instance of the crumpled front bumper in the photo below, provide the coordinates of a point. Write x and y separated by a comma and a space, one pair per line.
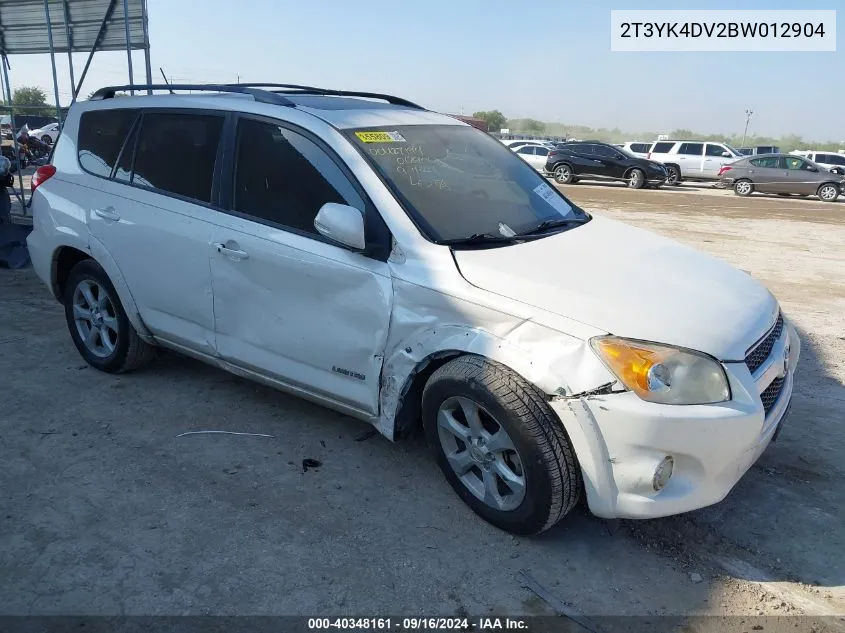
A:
620, 440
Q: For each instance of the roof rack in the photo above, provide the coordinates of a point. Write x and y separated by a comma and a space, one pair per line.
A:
261, 96
311, 90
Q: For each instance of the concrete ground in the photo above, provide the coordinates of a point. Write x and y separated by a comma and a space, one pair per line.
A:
106, 510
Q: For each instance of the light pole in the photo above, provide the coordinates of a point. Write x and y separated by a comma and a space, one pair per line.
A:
748, 114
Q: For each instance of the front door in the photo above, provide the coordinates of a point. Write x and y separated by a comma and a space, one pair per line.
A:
289, 304
691, 159
152, 215
800, 176
714, 159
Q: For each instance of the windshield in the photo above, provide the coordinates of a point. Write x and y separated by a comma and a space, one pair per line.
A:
457, 182
735, 151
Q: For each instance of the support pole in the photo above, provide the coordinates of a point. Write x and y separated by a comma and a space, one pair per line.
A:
69, 39
97, 41
146, 23
128, 43
19, 196
52, 59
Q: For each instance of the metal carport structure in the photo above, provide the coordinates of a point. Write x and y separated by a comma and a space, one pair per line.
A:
69, 26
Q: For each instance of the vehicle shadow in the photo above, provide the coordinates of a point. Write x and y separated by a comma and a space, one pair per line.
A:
783, 520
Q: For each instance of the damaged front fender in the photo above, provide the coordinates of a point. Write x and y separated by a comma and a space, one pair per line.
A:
558, 364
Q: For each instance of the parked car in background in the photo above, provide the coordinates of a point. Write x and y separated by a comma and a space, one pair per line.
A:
294, 247
535, 154
760, 149
692, 160
639, 148
829, 160
782, 174
47, 134
571, 162
516, 142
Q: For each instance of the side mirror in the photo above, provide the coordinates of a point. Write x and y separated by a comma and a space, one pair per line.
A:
811, 168
341, 224
727, 154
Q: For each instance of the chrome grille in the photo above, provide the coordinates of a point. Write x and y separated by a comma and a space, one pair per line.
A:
771, 393
758, 354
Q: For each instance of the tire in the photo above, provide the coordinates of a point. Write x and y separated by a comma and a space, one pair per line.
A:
636, 179
673, 178
828, 192
46, 139
539, 450
743, 187
120, 349
563, 174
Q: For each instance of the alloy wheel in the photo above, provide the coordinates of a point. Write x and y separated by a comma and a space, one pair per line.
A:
743, 188
828, 192
481, 453
95, 318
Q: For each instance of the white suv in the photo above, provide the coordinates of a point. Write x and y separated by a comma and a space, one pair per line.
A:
692, 160
404, 268
830, 160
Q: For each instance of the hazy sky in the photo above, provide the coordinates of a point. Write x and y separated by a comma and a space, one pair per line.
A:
552, 62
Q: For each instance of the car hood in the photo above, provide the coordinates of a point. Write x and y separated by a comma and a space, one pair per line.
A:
630, 282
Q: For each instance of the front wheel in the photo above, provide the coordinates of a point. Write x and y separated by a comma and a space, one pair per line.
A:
828, 192
46, 139
500, 446
636, 179
743, 188
673, 176
563, 174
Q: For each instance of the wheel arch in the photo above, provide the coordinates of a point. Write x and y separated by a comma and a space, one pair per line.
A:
66, 257
536, 354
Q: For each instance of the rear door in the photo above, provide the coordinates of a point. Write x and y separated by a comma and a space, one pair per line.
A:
155, 222
767, 174
691, 159
288, 303
529, 154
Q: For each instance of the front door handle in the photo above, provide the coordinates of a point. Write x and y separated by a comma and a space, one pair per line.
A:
107, 214
234, 253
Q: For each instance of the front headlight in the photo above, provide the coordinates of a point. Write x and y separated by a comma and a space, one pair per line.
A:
662, 373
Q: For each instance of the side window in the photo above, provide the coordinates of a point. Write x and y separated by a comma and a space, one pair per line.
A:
541, 151
584, 149
691, 149
795, 163
835, 159
662, 148
604, 151
770, 162
528, 150
715, 150
285, 178
639, 148
101, 135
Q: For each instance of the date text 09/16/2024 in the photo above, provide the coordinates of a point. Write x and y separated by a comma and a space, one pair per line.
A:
418, 624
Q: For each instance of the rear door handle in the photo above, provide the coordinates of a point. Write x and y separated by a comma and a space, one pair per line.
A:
234, 253
107, 214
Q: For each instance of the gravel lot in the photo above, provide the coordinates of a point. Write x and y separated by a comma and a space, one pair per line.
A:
106, 511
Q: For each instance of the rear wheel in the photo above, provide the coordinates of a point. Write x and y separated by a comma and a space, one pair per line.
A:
636, 179
743, 188
500, 446
828, 192
98, 323
563, 174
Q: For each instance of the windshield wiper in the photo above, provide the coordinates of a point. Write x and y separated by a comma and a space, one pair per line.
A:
480, 238
545, 225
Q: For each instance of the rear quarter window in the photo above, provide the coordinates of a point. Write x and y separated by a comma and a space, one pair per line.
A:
101, 135
640, 148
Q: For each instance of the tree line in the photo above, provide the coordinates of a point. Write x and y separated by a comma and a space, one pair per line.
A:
497, 121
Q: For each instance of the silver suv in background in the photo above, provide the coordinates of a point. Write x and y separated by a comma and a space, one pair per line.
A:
692, 160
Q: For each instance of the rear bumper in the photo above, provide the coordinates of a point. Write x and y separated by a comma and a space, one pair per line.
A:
620, 441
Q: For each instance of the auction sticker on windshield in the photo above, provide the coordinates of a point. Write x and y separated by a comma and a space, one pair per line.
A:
380, 137
551, 196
